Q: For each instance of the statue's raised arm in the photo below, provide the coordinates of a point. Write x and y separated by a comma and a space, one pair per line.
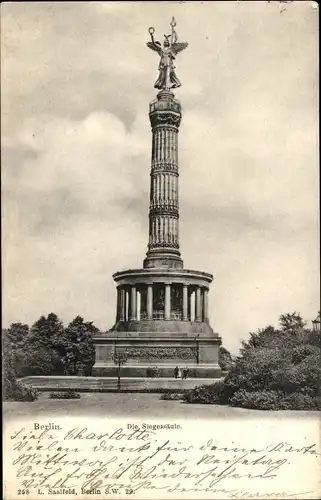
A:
156, 46
171, 47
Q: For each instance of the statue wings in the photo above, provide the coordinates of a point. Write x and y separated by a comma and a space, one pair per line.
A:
155, 47
175, 47
178, 47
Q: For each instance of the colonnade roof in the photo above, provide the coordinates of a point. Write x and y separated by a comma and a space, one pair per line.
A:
167, 276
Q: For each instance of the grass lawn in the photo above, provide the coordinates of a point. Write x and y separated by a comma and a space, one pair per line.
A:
131, 404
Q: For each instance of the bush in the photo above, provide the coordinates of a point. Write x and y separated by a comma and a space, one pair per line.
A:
64, 395
20, 392
67, 394
257, 400
152, 372
205, 394
172, 396
275, 400
9, 376
276, 369
303, 377
301, 352
39, 360
299, 401
225, 359
14, 390
25, 392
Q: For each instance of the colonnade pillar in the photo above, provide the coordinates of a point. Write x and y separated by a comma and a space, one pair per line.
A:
193, 297
133, 307
122, 304
167, 301
198, 306
185, 303
149, 301
127, 299
205, 305
189, 304
118, 305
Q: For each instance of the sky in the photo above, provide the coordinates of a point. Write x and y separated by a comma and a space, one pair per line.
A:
77, 80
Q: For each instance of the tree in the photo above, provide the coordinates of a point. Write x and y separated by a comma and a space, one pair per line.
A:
259, 339
41, 360
47, 348
280, 360
44, 350
225, 359
78, 347
291, 322
47, 331
17, 335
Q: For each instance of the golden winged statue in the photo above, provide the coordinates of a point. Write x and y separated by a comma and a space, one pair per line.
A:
167, 78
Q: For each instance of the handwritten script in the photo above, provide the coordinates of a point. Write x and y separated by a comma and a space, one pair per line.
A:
105, 458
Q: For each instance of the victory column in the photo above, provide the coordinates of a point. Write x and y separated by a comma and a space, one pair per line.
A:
162, 309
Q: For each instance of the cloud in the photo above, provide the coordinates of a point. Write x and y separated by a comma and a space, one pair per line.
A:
65, 214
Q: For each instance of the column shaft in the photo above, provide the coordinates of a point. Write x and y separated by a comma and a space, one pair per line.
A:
118, 305
198, 305
149, 301
137, 304
122, 304
189, 305
167, 301
127, 300
163, 229
205, 305
133, 309
185, 303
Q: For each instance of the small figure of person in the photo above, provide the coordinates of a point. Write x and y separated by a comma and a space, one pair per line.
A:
176, 372
185, 373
